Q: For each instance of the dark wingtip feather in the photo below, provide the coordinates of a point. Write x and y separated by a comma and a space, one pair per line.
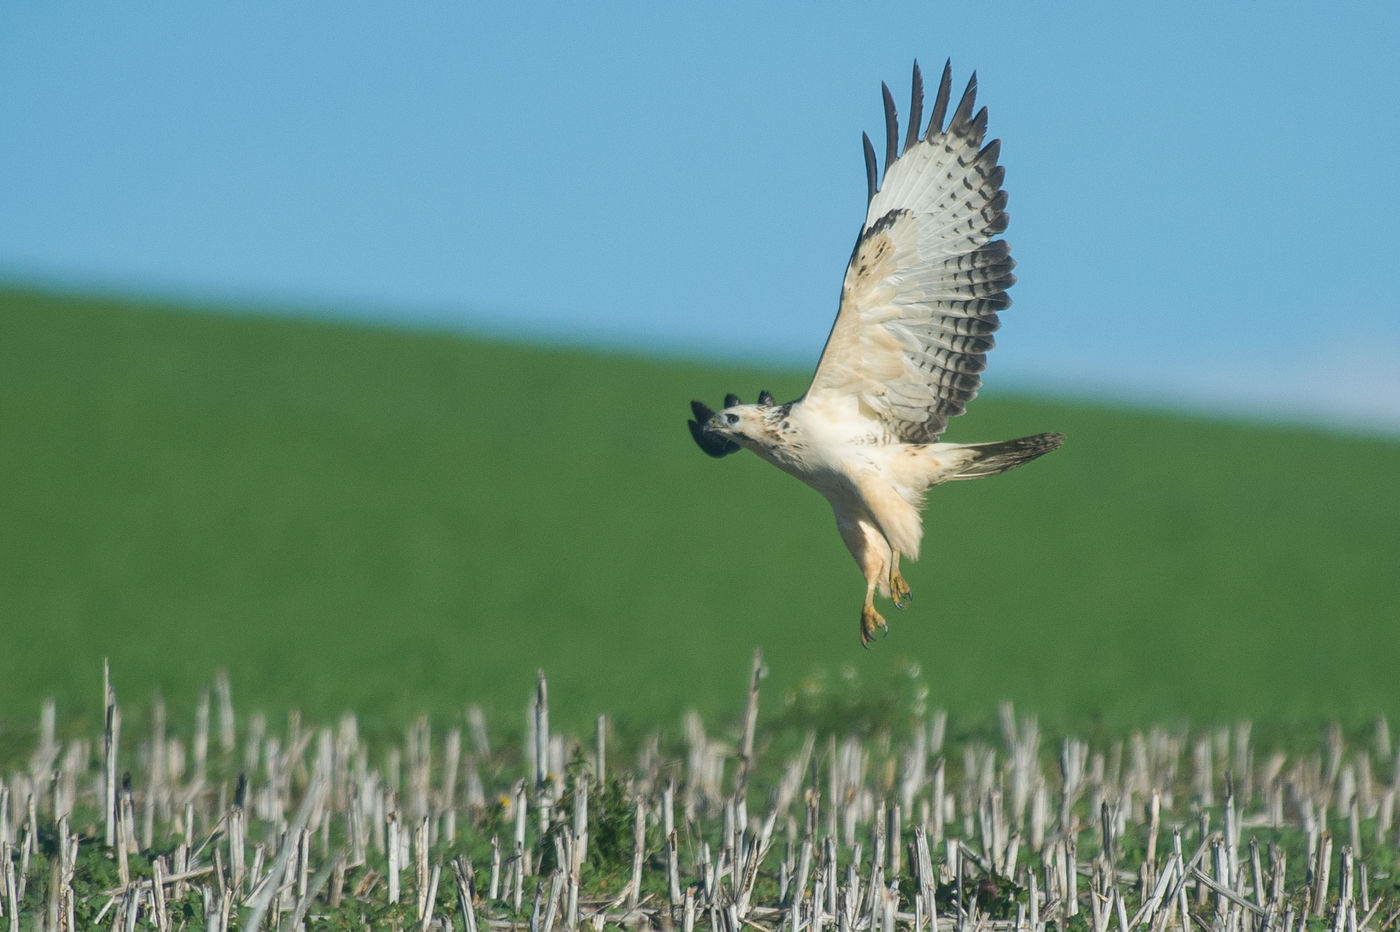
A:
995, 215
978, 127
940, 102
871, 181
916, 109
963, 115
891, 127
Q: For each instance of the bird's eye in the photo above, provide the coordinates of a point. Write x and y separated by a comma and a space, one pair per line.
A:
731, 419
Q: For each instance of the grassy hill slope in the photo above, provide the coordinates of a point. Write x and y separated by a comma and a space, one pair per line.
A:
347, 517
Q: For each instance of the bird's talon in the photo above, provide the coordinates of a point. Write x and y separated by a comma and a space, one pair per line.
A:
870, 622
899, 591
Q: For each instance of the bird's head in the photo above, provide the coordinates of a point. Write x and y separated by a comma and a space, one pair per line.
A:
737, 423
722, 432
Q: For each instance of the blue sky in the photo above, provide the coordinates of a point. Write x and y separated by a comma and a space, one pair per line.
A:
1204, 200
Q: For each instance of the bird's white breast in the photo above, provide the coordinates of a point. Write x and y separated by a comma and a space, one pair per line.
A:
825, 448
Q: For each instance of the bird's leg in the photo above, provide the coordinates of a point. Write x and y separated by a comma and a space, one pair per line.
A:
870, 620
899, 589
872, 553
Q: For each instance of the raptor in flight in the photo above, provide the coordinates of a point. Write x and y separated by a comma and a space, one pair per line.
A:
918, 307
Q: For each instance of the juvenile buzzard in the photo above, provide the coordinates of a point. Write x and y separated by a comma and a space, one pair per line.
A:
918, 307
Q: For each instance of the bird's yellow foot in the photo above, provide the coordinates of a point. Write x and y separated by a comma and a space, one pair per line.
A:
870, 622
899, 591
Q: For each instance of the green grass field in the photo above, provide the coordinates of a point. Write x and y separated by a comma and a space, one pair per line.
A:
393, 522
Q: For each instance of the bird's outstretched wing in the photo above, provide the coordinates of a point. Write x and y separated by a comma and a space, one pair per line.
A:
920, 299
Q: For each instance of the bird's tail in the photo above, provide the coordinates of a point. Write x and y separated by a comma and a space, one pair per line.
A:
988, 459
